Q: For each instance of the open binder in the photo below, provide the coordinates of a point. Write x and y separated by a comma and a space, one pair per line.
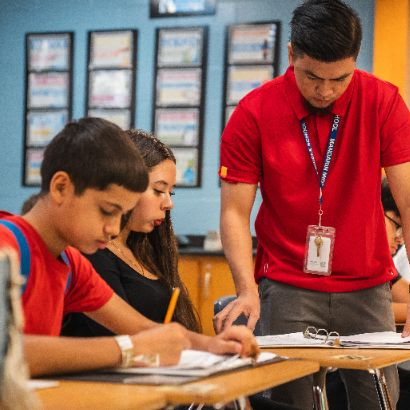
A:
313, 337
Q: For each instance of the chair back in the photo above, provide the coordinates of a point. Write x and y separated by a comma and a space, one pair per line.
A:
4, 310
14, 389
220, 304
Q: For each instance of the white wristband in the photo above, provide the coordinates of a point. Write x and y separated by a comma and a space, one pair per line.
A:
127, 350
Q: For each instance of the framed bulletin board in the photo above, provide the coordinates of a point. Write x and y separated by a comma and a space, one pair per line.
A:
175, 8
111, 76
251, 59
179, 97
48, 101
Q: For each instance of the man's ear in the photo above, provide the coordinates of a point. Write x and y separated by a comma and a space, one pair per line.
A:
290, 54
61, 187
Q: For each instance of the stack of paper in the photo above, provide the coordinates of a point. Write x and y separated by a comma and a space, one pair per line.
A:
377, 340
199, 363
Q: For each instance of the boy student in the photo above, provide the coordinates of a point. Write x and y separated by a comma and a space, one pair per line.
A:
91, 176
315, 139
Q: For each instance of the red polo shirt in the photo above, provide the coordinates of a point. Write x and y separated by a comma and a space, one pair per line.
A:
263, 143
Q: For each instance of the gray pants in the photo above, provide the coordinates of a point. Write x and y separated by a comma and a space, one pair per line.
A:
286, 309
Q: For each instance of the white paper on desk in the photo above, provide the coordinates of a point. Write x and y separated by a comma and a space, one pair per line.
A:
289, 340
200, 363
38, 384
376, 339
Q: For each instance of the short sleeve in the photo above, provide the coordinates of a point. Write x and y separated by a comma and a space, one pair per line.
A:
7, 239
240, 148
88, 291
105, 263
395, 132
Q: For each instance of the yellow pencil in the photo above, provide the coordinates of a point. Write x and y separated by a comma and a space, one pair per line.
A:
172, 304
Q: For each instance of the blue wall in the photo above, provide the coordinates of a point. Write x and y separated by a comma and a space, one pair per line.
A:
196, 210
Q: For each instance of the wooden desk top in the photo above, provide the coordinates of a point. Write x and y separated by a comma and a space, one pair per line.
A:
212, 390
346, 358
100, 396
227, 387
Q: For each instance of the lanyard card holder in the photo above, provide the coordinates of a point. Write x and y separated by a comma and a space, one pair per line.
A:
320, 242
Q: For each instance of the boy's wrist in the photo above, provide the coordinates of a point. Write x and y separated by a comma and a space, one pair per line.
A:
130, 359
126, 346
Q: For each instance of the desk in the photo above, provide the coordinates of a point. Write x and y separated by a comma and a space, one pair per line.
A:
100, 396
214, 391
217, 390
372, 360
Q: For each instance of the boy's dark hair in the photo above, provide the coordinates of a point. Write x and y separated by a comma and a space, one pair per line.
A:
95, 153
158, 249
389, 204
326, 30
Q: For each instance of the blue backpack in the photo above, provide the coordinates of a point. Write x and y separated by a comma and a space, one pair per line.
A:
25, 254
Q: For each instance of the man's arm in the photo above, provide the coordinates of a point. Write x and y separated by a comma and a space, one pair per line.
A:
236, 205
399, 181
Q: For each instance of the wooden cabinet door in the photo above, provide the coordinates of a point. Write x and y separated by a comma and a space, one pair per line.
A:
189, 270
216, 281
207, 278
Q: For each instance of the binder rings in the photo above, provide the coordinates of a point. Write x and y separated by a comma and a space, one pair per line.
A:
313, 337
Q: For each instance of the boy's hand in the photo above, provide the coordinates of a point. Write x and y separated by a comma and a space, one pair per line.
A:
235, 340
166, 340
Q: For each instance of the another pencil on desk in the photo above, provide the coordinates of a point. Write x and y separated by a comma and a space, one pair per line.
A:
172, 304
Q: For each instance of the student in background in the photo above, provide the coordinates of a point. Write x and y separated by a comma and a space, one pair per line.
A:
141, 263
400, 298
400, 286
92, 175
401, 261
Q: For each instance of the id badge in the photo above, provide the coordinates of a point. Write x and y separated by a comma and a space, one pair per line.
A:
320, 242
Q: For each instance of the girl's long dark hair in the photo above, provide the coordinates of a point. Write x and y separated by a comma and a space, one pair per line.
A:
158, 249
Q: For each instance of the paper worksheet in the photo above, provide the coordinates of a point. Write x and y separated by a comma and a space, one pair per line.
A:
200, 363
38, 384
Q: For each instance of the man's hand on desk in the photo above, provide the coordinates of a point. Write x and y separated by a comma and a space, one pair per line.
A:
167, 340
247, 303
406, 329
235, 340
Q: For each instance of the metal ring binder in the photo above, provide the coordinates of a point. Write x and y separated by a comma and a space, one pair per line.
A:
331, 338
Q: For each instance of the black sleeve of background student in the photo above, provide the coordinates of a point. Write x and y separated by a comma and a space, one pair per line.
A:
79, 325
148, 296
105, 263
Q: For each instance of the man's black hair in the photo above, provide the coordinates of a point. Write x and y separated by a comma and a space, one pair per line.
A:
389, 204
95, 153
326, 30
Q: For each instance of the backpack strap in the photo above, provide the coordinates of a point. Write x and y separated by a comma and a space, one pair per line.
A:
24, 249
64, 257
25, 257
